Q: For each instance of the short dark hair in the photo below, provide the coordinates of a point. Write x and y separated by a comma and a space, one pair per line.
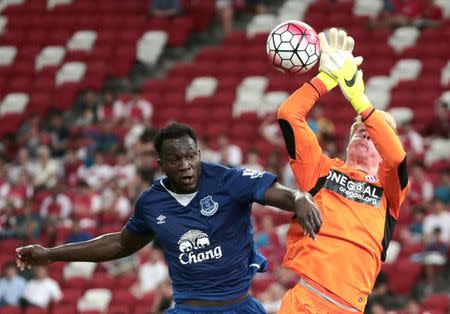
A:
173, 130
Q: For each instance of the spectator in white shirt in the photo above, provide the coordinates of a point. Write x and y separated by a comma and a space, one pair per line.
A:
231, 154
139, 108
438, 218
46, 170
151, 273
208, 154
57, 204
21, 164
124, 170
98, 174
42, 290
253, 160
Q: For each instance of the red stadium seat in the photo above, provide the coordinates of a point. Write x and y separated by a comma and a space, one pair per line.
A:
35, 310
102, 280
10, 310
119, 309
126, 281
123, 297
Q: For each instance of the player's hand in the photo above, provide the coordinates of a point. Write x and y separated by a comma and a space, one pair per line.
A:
31, 255
338, 41
352, 86
307, 213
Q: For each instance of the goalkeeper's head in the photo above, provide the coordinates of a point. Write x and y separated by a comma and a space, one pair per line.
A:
361, 151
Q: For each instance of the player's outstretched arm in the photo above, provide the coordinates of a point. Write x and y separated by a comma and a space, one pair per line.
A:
301, 203
103, 248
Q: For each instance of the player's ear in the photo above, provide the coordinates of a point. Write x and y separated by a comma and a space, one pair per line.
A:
159, 162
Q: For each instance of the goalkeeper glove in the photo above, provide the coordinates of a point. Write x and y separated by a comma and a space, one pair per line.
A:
338, 40
352, 86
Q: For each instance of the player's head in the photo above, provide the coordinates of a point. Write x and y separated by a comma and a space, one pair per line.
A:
179, 157
361, 149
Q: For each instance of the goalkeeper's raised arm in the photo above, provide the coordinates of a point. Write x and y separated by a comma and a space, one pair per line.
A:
359, 198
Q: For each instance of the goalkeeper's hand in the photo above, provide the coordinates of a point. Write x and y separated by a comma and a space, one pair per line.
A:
337, 41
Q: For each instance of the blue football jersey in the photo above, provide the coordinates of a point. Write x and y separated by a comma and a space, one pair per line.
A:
207, 239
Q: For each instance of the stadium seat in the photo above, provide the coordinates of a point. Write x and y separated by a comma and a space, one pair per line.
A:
261, 23
7, 55
150, 47
271, 101
95, 299
102, 280
35, 310
255, 84
79, 270
119, 309
367, 8
82, 40
201, 87
126, 281
406, 69
49, 56
10, 310
70, 72
14, 103
403, 37
51, 4
293, 10
440, 301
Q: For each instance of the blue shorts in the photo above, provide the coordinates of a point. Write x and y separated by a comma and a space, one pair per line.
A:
247, 306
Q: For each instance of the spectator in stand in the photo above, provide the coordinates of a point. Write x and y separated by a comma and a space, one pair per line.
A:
115, 205
28, 134
270, 130
106, 140
49, 234
77, 234
9, 227
208, 154
257, 6
438, 218
273, 164
321, 126
57, 204
231, 154
439, 125
412, 141
138, 108
226, 12
151, 273
22, 163
59, 134
85, 111
165, 8
97, 174
422, 189
271, 297
145, 151
412, 306
442, 191
47, 169
72, 165
398, 13
111, 109
436, 245
124, 170
5, 187
86, 203
252, 160
144, 177
22, 191
42, 290
11, 286
413, 233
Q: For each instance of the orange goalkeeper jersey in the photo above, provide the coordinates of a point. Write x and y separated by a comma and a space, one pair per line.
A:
359, 211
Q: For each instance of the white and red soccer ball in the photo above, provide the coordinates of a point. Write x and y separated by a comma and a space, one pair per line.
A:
293, 47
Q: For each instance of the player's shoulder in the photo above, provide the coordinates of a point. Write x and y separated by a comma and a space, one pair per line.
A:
152, 192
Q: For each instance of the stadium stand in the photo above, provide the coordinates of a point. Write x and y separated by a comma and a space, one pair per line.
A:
58, 56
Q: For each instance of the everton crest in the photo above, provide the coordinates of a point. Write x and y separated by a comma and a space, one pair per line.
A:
208, 206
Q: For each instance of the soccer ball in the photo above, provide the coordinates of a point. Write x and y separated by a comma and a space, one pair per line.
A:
293, 47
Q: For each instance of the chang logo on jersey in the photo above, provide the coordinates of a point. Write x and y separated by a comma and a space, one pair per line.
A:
191, 245
362, 192
209, 207
253, 174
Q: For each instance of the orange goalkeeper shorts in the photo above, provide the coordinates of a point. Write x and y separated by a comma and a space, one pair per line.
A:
301, 299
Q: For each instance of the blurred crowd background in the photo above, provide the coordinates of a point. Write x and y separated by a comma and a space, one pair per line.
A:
84, 86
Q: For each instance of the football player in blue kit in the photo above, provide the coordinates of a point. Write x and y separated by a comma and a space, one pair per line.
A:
201, 214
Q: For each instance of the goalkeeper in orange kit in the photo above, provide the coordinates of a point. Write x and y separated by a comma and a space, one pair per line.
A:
359, 198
